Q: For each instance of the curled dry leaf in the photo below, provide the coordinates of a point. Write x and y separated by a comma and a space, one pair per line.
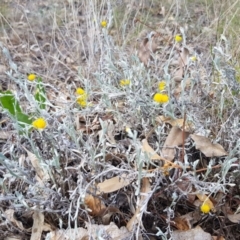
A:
146, 188
114, 184
175, 138
146, 148
95, 204
208, 148
176, 122
147, 47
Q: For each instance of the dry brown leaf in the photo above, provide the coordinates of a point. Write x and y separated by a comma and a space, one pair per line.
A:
181, 223
174, 139
193, 234
208, 148
147, 47
235, 218
95, 204
176, 122
146, 188
149, 151
37, 228
204, 198
114, 184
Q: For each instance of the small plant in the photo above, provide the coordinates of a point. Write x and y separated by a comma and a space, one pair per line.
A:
11, 105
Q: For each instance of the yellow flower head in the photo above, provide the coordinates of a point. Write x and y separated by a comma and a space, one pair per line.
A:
82, 97
161, 85
205, 208
160, 98
193, 58
39, 123
80, 91
178, 38
104, 24
124, 82
31, 77
82, 102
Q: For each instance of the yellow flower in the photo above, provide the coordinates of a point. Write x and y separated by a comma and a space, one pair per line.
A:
205, 208
193, 58
80, 91
178, 38
124, 82
160, 98
82, 97
82, 102
104, 23
31, 77
39, 123
161, 86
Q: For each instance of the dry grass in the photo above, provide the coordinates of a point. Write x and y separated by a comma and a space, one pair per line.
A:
57, 170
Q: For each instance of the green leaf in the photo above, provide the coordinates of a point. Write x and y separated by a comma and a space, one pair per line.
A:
40, 95
9, 103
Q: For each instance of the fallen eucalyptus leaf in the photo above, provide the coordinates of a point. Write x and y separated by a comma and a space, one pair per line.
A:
208, 148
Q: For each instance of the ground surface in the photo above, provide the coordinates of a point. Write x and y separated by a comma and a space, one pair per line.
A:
116, 162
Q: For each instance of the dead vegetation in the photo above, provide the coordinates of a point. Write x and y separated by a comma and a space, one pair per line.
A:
112, 163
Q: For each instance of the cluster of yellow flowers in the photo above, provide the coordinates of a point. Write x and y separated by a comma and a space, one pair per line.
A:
82, 97
124, 82
161, 97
